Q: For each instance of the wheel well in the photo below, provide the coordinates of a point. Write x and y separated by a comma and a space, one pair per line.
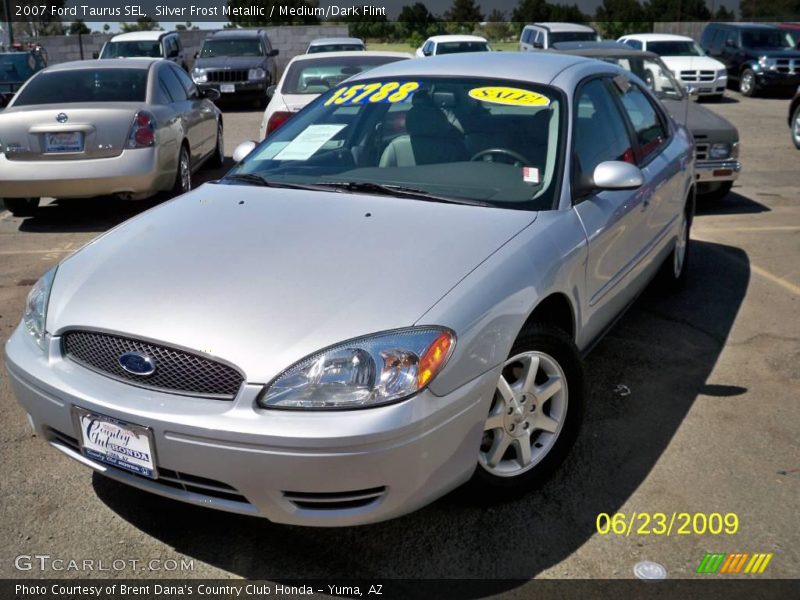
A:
555, 310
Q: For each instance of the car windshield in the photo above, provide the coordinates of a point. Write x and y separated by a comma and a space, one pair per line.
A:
234, 47
474, 140
766, 38
85, 85
675, 48
457, 47
572, 36
653, 72
148, 48
334, 48
319, 75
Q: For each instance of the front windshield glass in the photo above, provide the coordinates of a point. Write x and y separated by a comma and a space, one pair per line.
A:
766, 38
319, 75
150, 49
480, 140
572, 36
675, 48
457, 47
242, 47
654, 73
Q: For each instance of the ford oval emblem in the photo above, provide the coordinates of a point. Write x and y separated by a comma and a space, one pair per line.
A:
137, 364
62, 117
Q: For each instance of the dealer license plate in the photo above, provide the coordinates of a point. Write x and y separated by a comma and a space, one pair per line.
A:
116, 443
227, 88
68, 141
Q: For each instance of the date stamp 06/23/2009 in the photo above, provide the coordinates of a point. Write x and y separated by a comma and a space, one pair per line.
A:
667, 524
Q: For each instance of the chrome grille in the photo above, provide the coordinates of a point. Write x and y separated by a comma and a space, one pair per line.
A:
695, 76
177, 371
700, 150
228, 75
788, 65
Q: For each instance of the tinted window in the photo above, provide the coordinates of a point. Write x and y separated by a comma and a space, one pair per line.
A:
600, 130
718, 40
650, 132
572, 36
186, 82
764, 38
176, 90
732, 39
150, 49
321, 74
334, 48
634, 44
457, 47
172, 47
526, 36
233, 47
675, 48
85, 85
162, 92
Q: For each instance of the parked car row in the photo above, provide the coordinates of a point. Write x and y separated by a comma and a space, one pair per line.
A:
387, 298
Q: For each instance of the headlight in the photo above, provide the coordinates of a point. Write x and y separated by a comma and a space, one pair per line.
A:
36, 307
199, 75
722, 74
258, 73
364, 372
735, 150
767, 62
720, 150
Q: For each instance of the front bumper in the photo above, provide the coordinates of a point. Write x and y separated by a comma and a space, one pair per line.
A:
137, 172
713, 87
767, 78
710, 171
306, 468
256, 87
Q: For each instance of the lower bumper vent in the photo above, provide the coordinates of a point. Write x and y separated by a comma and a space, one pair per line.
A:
335, 500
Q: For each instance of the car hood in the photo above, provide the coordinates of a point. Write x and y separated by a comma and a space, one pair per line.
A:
692, 63
229, 62
701, 121
263, 277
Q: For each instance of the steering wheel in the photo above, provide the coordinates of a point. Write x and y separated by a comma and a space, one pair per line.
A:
518, 158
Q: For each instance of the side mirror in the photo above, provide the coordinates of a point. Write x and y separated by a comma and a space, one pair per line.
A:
426, 52
212, 94
617, 175
243, 150
273, 52
95, 55
271, 91
538, 45
196, 55
730, 44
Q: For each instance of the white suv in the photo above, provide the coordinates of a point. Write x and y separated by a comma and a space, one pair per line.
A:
151, 44
540, 36
685, 59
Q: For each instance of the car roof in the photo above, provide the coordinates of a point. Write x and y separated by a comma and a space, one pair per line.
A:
107, 63
336, 40
657, 37
348, 54
537, 67
746, 25
235, 33
556, 26
140, 36
605, 51
607, 44
456, 38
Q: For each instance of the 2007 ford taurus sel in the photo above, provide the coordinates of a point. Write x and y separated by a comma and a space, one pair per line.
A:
387, 298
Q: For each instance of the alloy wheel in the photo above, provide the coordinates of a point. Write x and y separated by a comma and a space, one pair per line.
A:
186, 172
679, 256
796, 128
527, 414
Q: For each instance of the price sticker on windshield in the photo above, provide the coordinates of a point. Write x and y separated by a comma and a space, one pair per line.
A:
373, 93
508, 96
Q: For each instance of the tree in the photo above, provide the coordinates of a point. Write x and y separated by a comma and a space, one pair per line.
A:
78, 27
464, 11
677, 10
141, 24
618, 17
34, 26
295, 12
417, 19
569, 13
782, 10
497, 29
530, 11
723, 14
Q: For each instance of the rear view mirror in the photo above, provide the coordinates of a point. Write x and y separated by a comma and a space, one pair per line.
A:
242, 151
617, 175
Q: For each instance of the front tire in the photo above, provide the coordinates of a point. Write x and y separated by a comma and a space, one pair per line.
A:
22, 207
747, 83
716, 194
796, 127
672, 276
534, 416
218, 158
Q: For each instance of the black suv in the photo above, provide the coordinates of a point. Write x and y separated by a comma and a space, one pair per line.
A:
238, 63
757, 56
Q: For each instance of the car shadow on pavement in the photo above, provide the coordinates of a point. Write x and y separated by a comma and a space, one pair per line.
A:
662, 351
732, 204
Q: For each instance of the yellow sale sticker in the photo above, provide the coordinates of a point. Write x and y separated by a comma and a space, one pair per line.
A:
509, 96
373, 93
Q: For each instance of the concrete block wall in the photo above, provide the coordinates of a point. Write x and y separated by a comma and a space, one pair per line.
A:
692, 29
289, 40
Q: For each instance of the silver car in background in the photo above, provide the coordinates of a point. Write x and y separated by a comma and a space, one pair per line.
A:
126, 127
387, 298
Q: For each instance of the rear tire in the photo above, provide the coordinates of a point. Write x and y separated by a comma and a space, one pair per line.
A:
183, 176
717, 194
22, 207
534, 417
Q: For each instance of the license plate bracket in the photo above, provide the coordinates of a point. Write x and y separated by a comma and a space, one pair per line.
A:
227, 88
116, 443
62, 142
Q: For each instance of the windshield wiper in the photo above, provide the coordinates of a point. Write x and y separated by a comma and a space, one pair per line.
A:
398, 191
254, 179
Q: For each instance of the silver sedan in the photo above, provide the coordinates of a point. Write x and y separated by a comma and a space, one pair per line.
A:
127, 127
386, 299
